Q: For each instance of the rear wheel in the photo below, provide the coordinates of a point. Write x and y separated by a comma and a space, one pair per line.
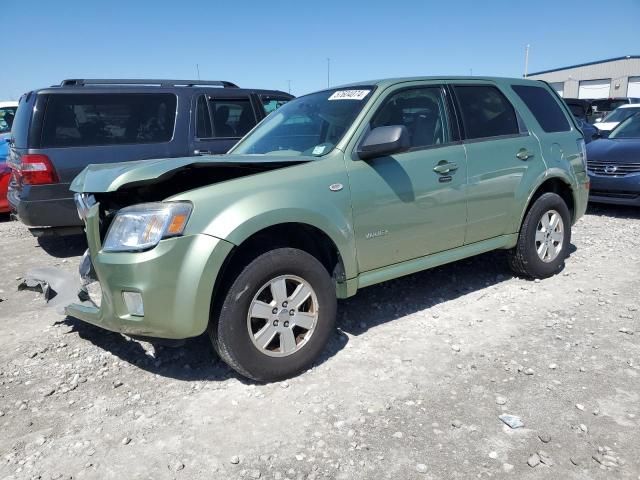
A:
277, 315
544, 238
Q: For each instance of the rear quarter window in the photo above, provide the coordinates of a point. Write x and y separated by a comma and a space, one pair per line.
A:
544, 107
78, 120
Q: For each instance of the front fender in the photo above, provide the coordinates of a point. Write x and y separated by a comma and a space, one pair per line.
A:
237, 209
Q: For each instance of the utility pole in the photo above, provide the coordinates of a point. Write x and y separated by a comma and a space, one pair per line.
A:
328, 71
526, 61
198, 70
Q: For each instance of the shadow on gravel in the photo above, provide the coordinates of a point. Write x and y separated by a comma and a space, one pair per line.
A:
616, 211
388, 301
4, 217
64, 247
196, 360
372, 306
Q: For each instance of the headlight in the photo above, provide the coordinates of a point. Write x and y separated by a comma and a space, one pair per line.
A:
141, 227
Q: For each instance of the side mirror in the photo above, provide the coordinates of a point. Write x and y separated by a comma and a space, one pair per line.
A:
383, 141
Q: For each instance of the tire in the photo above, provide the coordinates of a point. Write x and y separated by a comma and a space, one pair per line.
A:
242, 341
525, 259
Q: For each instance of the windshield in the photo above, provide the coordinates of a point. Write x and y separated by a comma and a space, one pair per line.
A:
620, 114
630, 128
310, 125
7, 115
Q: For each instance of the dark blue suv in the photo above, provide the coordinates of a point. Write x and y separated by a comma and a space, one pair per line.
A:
59, 130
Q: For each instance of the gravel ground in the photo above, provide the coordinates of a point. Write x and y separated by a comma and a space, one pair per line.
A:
412, 386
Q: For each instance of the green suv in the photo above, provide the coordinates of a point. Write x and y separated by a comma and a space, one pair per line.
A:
333, 192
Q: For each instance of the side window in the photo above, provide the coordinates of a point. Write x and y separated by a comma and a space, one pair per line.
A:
203, 120
231, 118
421, 110
485, 112
271, 104
544, 107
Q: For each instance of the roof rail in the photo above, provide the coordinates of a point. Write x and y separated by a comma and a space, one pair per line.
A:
80, 82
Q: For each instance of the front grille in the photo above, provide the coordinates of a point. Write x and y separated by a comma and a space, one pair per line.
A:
610, 169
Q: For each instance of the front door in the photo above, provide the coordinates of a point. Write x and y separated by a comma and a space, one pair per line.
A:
410, 204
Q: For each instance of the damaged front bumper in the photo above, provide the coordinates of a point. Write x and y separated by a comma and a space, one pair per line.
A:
174, 281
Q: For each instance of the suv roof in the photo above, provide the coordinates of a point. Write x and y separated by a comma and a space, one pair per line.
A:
81, 82
392, 81
117, 85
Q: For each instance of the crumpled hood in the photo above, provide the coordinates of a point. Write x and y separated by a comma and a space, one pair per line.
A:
110, 177
623, 150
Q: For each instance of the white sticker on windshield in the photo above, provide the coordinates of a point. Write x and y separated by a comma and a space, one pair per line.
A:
318, 150
349, 95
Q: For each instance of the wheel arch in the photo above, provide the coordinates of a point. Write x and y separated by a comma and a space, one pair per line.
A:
559, 184
300, 235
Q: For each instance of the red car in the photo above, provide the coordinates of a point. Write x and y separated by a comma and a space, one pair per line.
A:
7, 114
5, 174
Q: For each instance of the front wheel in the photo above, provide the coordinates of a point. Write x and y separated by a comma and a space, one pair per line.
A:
277, 315
544, 238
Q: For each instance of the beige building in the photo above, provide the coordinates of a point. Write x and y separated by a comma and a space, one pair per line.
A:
614, 77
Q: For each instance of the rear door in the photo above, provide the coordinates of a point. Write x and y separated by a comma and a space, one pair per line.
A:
220, 121
503, 158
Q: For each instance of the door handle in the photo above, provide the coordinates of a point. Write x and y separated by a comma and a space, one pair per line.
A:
201, 152
445, 167
524, 154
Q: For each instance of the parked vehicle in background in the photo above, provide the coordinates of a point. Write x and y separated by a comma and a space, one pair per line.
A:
5, 174
581, 110
7, 114
60, 130
614, 165
335, 191
602, 106
612, 119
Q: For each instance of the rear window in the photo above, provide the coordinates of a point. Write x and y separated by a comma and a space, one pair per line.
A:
78, 120
20, 126
577, 110
544, 107
486, 112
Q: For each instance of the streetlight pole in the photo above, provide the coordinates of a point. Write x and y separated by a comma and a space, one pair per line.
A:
526, 61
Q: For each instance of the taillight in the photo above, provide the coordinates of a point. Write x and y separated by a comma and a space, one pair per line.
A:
582, 149
36, 169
